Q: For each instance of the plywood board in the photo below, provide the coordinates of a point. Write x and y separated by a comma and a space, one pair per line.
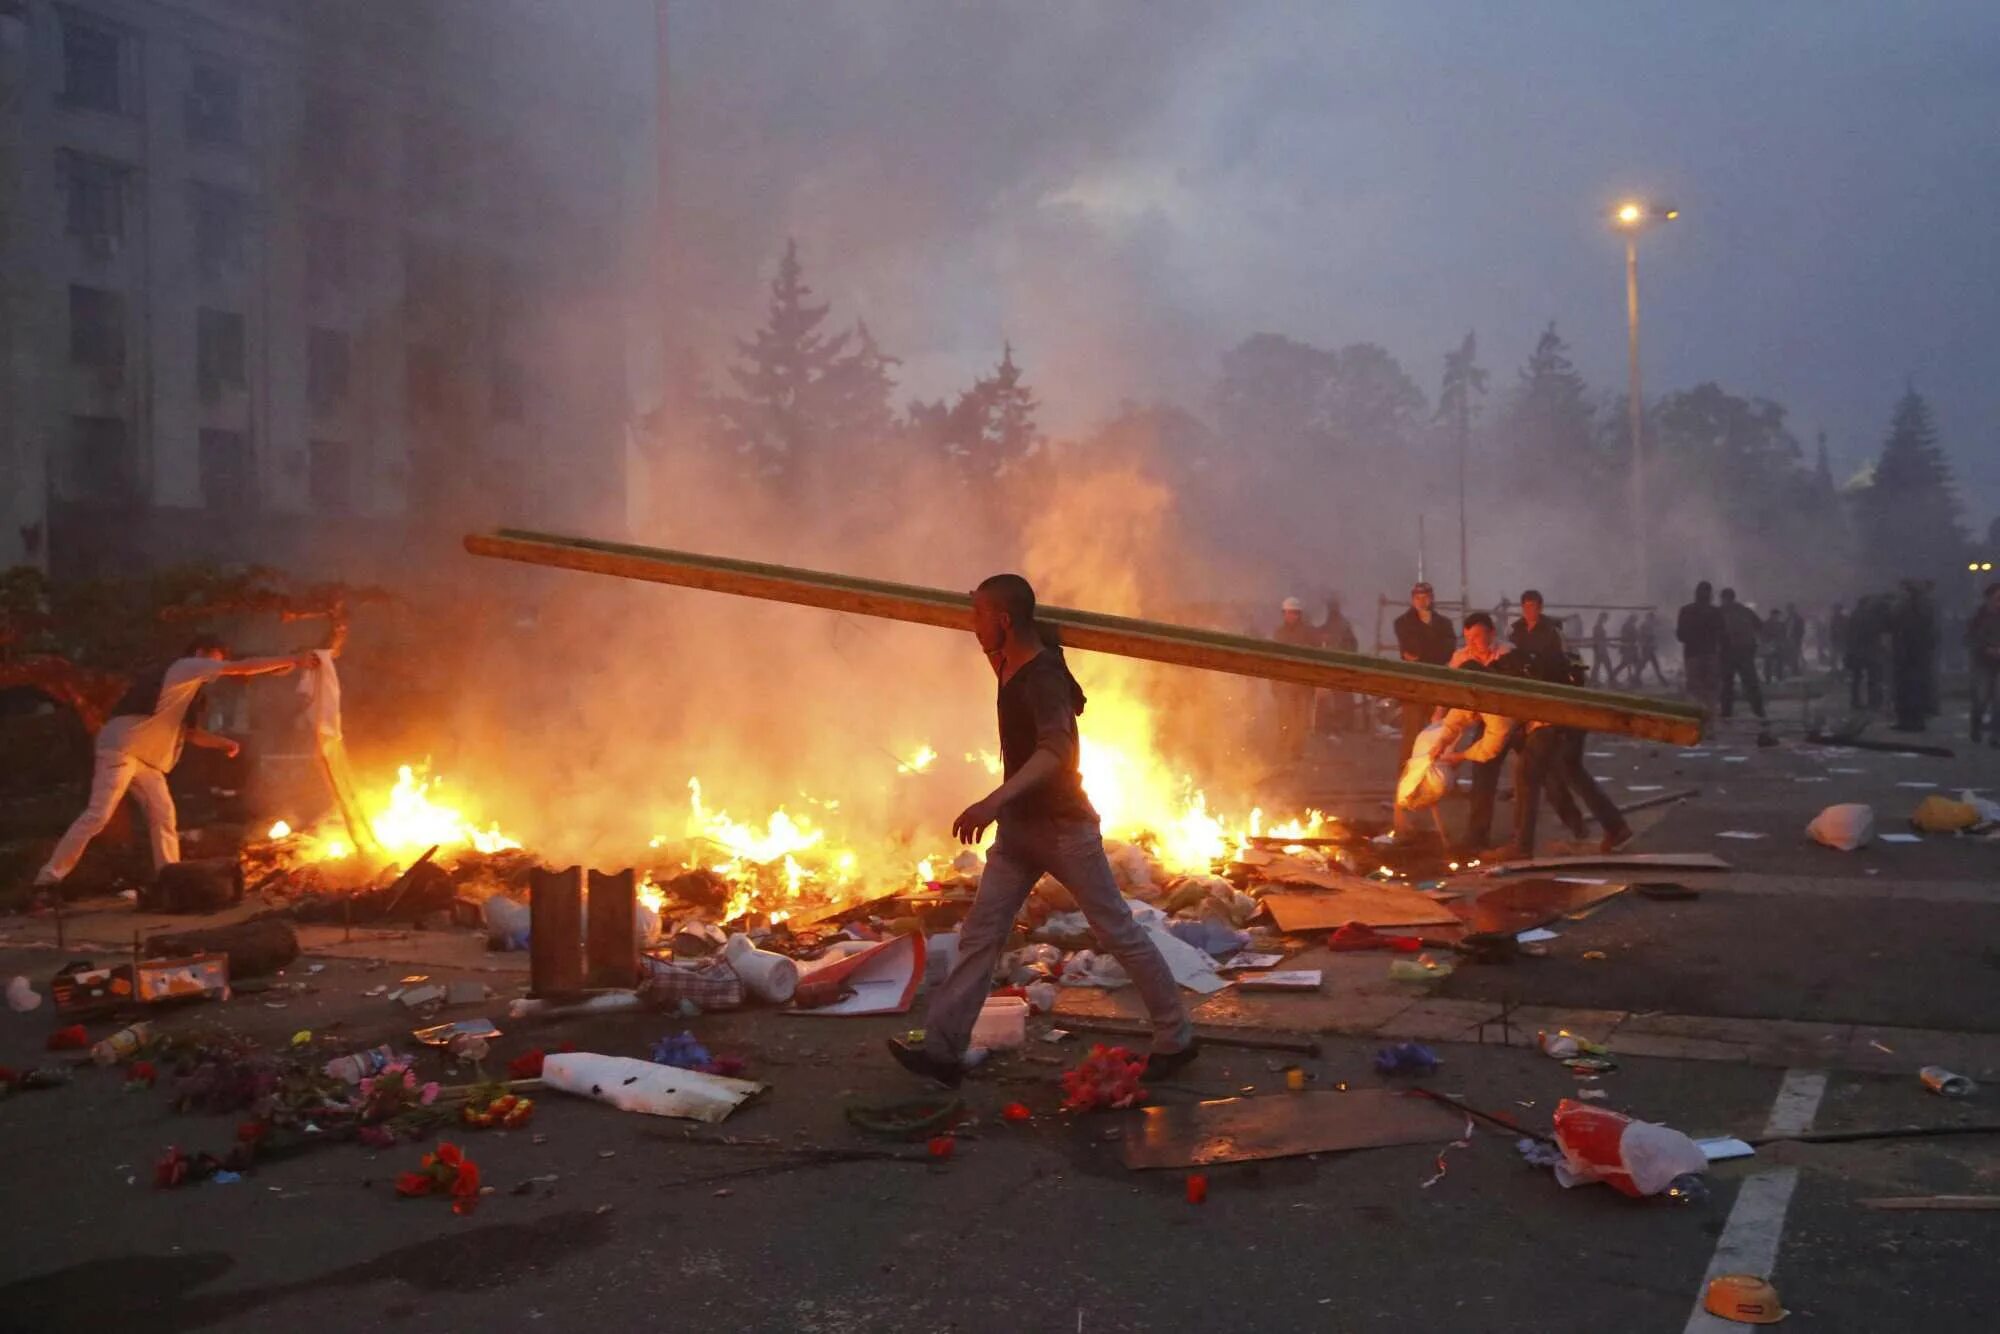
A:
1285, 1125
1632, 861
1523, 905
1364, 901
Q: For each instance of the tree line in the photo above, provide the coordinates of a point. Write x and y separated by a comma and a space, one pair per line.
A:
1348, 436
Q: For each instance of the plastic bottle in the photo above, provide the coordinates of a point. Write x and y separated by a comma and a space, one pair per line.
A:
357, 1066
126, 1042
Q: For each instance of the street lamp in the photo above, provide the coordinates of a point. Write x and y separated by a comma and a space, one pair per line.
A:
1633, 217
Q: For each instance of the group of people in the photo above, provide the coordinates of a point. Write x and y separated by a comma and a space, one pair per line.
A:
1637, 648
1548, 757
1720, 642
1302, 710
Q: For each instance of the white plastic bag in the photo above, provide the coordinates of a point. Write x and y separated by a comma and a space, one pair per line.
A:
1844, 827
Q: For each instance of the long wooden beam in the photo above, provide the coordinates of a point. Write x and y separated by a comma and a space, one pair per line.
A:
1155, 641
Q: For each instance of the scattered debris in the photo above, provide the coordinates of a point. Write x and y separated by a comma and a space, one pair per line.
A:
1406, 1058
1636, 1158
1933, 1202
1743, 1298
1108, 1077
1942, 1081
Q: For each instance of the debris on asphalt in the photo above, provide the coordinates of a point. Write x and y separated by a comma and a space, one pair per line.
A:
1197, 1187
1289, 979
458, 1031
1721, 1148
72, 1038
1633, 1157
445, 1172
356, 1066
1107, 1077
120, 1046
907, 1119
1744, 1298
1942, 1081
1979, 1202
640, 1086
21, 996
1406, 1058
1845, 827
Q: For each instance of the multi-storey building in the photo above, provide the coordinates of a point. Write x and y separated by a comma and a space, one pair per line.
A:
274, 276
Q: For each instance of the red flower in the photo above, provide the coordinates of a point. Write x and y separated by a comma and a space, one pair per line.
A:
447, 1153
1016, 1111
413, 1183
941, 1146
528, 1065
464, 1206
252, 1132
73, 1038
467, 1183
171, 1169
1197, 1188
141, 1072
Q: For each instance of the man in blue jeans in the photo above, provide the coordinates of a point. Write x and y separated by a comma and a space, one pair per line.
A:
1047, 826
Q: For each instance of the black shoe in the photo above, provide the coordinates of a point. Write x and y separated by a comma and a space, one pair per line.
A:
920, 1062
1160, 1064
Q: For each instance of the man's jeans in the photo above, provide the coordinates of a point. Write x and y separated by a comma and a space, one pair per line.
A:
1073, 852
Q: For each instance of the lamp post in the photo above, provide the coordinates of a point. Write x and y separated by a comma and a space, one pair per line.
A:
1632, 217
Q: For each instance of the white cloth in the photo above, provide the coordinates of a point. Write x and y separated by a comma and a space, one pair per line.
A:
116, 771
322, 691
155, 739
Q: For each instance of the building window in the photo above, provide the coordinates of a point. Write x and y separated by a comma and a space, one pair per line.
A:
94, 201
510, 391
326, 369
424, 387
330, 476
218, 351
215, 105
96, 329
221, 229
228, 482
95, 60
329, 257
102, 467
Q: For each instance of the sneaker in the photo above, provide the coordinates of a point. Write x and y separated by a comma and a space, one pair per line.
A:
1614, 839
1161, 1064
920, 1062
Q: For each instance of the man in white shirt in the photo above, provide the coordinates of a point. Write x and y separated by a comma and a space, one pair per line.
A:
142, 742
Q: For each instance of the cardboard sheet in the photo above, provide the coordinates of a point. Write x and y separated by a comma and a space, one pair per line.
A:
1366, 901
1283, 1125
1287, 979
1523, 905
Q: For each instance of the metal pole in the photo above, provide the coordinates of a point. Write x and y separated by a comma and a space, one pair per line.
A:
1464, 562
1636, 412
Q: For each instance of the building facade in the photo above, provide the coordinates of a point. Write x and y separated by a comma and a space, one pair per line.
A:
315, 284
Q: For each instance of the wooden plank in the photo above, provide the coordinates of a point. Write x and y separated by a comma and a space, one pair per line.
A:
555, 931
1154, 641
611, 942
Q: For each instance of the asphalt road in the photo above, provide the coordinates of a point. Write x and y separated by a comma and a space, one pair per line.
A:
1027, 1227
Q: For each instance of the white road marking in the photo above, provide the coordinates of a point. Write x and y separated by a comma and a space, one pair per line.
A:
1750, 1239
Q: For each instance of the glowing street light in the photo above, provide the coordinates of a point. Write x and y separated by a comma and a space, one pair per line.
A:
1632, 217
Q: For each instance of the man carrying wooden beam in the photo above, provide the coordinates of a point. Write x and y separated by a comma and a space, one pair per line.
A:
1046, 826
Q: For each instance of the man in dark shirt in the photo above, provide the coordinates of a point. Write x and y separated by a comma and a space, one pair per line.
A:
1649, 649
1700, 632
1422, 635
1046, 827
1742, 630
1536, 635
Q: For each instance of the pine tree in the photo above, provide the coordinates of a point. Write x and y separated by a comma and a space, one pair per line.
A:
1909, 513
1549, 425
852, 402
991, 429
770, 420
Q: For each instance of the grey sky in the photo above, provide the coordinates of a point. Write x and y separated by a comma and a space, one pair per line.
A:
1124, 189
